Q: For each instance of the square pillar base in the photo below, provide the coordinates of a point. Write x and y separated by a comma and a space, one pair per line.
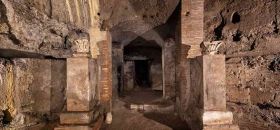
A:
221, 127
217, 117
93, 126
79, 118
73, 128
218, 120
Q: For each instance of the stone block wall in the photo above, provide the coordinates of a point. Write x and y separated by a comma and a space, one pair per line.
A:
32, 89
82, 13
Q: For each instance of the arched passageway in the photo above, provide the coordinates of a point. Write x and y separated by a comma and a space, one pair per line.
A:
143, 73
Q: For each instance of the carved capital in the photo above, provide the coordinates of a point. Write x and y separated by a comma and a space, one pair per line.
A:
211, 48
79, 44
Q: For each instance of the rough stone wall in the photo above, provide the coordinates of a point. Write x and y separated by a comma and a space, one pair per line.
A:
25, 28
33, 90
251, 35
128, 19
58, 71
253, 91
41, 29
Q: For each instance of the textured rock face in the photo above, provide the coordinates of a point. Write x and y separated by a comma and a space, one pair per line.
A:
30, 91
23, 27
78, 87
145, 15
250, 31
244, 26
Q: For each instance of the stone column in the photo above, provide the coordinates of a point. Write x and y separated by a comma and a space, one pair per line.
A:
206, 99
79, 112
213, 83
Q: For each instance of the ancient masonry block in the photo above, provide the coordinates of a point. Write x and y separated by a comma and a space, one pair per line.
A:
215, 115
214, 82
73, 128
78, 86
76, 118
79, 95
221, 127
207, 83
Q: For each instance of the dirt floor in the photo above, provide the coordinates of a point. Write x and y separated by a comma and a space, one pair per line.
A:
126, 119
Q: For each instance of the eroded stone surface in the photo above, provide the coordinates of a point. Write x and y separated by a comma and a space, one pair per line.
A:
221, 127
25, 28
217, 118
73, 128
76, 118
78, 91
214, 82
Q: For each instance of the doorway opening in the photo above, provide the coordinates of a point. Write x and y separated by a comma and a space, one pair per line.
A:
142, 73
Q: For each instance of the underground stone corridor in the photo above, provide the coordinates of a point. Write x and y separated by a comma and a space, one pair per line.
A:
139, 65
141, 104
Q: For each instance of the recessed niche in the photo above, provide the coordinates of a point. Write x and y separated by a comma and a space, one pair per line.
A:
237, 37
235, 17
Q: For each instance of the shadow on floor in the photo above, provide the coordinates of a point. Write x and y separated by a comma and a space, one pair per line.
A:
169, 120
142, 96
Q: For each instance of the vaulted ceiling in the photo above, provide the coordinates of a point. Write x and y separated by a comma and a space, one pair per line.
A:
128, 19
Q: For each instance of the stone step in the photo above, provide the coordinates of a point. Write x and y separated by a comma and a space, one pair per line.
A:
221, 127
81, 118
73, 128
94, 126
217, 117
151, 108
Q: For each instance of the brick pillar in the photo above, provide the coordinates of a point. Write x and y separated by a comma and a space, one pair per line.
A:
192, 21
105, 77
105, 81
